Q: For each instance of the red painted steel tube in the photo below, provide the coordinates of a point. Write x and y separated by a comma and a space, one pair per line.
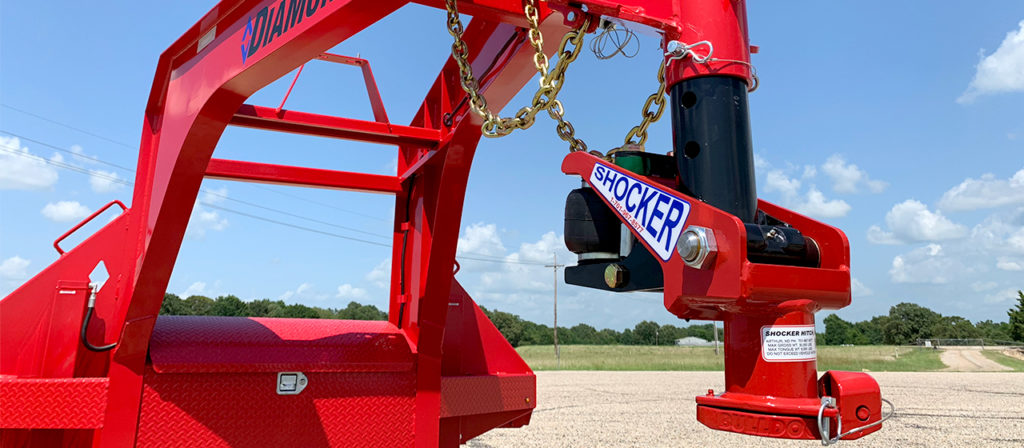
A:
267, 118
376, 103
749, 372
290, 87
723, 23
301, 176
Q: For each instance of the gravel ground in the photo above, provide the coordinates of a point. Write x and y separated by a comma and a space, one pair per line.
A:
656, 409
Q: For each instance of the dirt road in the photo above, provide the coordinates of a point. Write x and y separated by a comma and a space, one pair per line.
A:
969, 359
656, 409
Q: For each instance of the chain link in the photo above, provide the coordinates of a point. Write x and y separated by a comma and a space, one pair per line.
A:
551, 80
639, 131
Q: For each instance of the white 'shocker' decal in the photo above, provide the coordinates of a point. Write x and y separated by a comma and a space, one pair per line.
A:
656, 215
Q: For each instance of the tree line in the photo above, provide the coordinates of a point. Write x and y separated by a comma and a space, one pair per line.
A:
906, 323
519, 331
230, 305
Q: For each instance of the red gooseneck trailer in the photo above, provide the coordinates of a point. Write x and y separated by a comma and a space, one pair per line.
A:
89, 363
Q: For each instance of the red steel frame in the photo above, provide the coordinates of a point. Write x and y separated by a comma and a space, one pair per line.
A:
439, 369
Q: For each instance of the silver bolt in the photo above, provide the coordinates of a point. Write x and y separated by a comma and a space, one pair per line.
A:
697, 247
689, 245
674, 47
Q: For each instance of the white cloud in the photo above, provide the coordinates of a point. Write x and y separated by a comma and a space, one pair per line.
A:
297, 292
214, 195
807, 198
195, 289
65, 211
380, 275
517, 275
876, 186
815, 205
1016, 241
860, 289
1001, 71
1009, 264
349, 292
847, 177
305, 291
878, 236
760, 163
776, 180
926, 264
985, 192
14, 268
79, 154
980, 286
204, 220
543, 250
911, 220
480, 239
1005, 295
1000, 233
810, 171
521, 284
964, 273
20, 170
105, 181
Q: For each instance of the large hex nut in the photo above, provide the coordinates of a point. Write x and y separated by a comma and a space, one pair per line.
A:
697, 247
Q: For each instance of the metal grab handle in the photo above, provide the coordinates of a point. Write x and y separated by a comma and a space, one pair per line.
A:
56, 244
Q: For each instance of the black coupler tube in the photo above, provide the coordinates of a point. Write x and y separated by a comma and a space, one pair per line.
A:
711, 140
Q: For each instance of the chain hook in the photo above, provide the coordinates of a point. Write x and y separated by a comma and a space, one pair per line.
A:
678, 50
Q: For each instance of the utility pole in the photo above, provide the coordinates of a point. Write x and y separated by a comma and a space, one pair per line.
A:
714, 325
554, 266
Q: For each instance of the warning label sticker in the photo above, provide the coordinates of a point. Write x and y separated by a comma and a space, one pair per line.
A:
788, 343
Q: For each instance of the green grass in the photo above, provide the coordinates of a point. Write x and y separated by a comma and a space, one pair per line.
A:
879, 358
1013, 363
638, 357
621, 357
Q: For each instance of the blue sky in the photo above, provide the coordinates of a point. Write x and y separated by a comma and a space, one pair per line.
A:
901, 125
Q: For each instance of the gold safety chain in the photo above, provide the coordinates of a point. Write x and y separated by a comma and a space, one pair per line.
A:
551, 80
639, 131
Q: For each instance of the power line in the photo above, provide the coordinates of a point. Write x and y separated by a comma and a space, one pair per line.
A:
65, 125
67, 166
81, 156
294, 226
115, 179
488, 258
499, 260
320, 203
294, 215
86, 132
205, 203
